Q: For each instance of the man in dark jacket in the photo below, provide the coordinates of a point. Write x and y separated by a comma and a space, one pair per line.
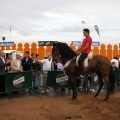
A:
3, 69
27, 62
34, 68
27, 65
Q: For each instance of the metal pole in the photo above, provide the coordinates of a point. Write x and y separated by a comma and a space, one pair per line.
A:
10, 34
83, 22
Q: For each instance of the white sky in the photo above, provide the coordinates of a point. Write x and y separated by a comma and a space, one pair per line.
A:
59, 20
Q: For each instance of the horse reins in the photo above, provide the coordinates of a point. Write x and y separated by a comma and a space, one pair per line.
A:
68, 62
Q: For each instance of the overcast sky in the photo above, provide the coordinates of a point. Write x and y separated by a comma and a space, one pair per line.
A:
59, 20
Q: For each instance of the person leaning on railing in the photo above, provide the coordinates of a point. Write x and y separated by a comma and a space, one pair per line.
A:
34, 68
39, 70
27, 66
3, 68
46, 67
9, 58
16, 66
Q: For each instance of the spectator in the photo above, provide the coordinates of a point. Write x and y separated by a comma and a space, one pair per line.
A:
3, 68
39, 65
16, 64
114, 66
21, 58
54, 68
90, 81
39, 69
9, 58
27, 65
27, 62
16, 67
118, 56
34, 68
54, 64
116, 60
59, 66
46, 67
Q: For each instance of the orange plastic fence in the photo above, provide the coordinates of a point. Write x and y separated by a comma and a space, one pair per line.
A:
43, 51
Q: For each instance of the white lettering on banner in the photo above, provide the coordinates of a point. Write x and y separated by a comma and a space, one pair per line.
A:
6, 44
19, 80
41, 43
61, 79
78, 43
95, 78
47, 43
95, 43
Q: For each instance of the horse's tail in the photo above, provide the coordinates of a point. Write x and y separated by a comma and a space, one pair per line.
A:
112, 78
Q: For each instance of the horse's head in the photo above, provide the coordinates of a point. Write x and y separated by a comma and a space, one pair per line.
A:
55, 50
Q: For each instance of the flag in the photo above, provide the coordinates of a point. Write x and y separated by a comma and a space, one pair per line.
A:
97, 30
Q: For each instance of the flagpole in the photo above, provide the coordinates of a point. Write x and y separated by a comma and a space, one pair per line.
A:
10, 34
83, 22
97, 30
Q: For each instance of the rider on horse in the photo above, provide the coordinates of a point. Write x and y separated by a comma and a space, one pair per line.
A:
85, 48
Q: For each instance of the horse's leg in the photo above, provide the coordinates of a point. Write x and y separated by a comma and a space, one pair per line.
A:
73, 83
100, 79
106, 79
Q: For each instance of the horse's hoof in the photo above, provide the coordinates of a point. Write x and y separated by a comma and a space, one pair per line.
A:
74, 98
94, 98
106, 100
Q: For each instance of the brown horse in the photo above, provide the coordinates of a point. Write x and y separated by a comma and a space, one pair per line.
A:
99, 64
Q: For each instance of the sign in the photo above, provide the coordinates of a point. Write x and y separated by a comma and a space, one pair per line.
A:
57, 79
18, 80
78, 43
94, 79
45, 43
5, 44
61, 79
95, 43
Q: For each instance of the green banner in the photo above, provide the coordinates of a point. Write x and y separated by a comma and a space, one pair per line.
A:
117, 76
94, 79
57, 79
18, 80
45, 43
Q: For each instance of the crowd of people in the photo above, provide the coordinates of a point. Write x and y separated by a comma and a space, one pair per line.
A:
28, 63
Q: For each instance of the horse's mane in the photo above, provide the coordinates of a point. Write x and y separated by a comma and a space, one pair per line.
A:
66, 50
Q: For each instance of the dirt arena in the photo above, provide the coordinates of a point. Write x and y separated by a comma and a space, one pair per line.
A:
60, 108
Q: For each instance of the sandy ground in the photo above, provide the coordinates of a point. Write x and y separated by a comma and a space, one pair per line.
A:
60, 108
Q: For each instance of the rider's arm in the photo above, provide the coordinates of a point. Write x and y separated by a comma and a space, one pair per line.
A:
79, 48
84, 48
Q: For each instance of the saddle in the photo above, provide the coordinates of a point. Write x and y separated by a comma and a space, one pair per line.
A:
89, 57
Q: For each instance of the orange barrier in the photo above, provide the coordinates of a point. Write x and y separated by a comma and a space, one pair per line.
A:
105, 50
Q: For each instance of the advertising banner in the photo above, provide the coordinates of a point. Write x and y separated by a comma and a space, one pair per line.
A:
18, 80
78, 43
5, 44
45, 43
57, 79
